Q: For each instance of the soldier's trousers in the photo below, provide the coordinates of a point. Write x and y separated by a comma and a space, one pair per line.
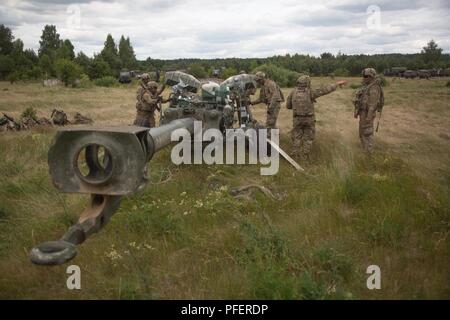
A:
145, 121
272, 115
303, 134
366, 131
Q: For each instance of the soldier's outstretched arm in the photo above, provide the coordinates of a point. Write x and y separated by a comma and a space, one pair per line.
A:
328, 89
316, 93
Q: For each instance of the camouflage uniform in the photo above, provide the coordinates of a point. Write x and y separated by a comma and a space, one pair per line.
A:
301, 101
368, 100
271, 95
147, 103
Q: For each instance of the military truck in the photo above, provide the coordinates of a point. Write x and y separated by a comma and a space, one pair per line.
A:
424, 74
394, 72
410, 74
124, 77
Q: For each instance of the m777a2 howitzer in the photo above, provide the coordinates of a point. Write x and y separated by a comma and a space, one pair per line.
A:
115, 158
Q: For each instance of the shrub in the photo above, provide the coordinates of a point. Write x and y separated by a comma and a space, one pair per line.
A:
84, 82
29, 112
34, 73
197, 71
341, 72
13, 77
107, 81
68, 72
282, 76
228, 72
383, 81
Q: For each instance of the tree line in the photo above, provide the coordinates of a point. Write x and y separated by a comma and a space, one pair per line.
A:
56, 58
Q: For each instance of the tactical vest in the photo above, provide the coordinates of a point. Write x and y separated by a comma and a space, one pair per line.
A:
362, 94
265, 93
140, 100
302, 102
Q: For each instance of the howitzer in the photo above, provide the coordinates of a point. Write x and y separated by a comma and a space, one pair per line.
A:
109, 163
106, 163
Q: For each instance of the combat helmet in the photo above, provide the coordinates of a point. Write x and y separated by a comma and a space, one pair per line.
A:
369, 72
260, 76
152, 84
145, 77
304, 81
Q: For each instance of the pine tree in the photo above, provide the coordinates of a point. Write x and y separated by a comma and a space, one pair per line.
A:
110, 55
50, 42
126, 53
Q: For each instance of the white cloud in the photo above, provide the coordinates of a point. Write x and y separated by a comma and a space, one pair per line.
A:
203, 29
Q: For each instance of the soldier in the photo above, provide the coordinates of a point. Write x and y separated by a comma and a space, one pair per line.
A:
271, 95
301, 100
368, 100
148, 100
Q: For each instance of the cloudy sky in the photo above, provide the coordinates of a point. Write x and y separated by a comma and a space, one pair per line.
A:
236, 28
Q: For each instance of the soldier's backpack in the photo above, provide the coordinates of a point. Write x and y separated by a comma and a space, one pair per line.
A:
59, 117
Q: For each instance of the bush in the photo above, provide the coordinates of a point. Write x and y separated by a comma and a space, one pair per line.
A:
283, 77
34, 73
228, 72
383, 81
448, 83
107, 81
13, 77
84, 82
29, 112
68, 72
341, 72
197, 71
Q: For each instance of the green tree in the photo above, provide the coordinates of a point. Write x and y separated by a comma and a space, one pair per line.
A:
99, 68
431, 53
46, 66
6, 66
49, 42
83, 61
110, 55
66, 50
68, 71
126, 53
6, 40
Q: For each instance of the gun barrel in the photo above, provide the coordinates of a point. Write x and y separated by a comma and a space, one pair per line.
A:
106, 163
161, 135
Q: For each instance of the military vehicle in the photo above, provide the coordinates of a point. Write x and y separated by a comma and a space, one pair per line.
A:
111, 162
125, 77
410, 74
424, 74
395, 72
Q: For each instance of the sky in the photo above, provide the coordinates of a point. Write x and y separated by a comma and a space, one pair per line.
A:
234, 28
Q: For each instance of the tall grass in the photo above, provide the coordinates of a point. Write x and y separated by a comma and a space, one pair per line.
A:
187, 237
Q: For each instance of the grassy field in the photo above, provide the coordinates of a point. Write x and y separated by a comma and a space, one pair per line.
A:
188, 238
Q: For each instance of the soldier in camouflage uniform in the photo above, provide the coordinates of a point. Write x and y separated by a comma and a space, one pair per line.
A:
301, 100
368, 100
271, 95
148, 101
